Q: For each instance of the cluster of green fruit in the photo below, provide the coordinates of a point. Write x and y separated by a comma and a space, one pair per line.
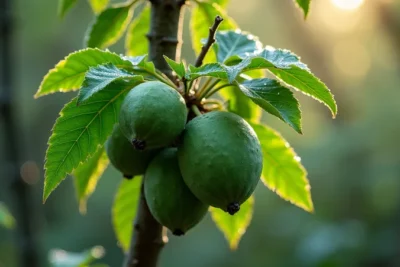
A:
213, 160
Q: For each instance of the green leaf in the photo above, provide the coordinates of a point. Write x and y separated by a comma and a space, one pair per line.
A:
221, 3
179, 68
87, 175
98, 5
6, 219
147, 69
235, 70
64, 6
68, 75
235, 226
136, 42
235, 44
305, 5
79, 131
275, 99
124, 210
109, 26
240, 104
288, 69
215, 70
281, 58
62, 258
282, 171
100, 77
203, 16
140, 63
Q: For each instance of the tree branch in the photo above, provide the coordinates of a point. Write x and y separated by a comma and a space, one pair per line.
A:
210, 41
164, 37
147, 239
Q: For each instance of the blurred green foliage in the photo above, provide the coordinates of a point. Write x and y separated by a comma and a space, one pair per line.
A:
62, 258
6, 219
353, 161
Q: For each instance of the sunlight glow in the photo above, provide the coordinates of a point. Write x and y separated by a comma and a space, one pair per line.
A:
352, 58
348, 4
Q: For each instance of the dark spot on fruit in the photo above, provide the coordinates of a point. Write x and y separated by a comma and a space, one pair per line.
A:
233, 208
178, 232
128, 176
139, 144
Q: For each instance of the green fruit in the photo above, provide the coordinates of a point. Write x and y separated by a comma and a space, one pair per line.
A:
169, 199
124, 157
152, 115
220, 159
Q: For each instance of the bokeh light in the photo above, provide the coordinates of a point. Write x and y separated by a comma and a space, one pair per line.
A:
348, 4
30, 172
351, 58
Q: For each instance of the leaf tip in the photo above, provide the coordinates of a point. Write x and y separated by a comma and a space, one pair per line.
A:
79, 100
334, 112
310, 207
46, 192
298, 129
45, 196
82, 207
233, 245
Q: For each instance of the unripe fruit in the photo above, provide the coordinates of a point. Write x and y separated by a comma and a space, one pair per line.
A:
152, 115
220, 159
124, 157
169, 199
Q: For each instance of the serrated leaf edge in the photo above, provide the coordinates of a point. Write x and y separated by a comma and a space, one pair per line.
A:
47, 194
304, 176
61, 63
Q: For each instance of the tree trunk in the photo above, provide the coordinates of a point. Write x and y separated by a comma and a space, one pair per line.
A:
164, 39
23, 205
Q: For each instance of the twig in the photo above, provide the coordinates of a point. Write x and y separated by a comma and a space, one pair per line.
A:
210, 41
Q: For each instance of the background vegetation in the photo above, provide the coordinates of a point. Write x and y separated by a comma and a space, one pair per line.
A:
352, 161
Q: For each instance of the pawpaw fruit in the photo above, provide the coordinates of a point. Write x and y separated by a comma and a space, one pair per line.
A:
169, 199
124, 157
152, 115
220, 159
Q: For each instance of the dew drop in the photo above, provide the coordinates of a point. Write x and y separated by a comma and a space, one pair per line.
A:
287, 145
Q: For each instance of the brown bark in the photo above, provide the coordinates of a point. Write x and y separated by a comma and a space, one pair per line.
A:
164, 39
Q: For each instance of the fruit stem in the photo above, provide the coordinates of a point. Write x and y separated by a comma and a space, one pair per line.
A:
203, 93
215, 102
196, 110
216, 89
164, 79
206, 83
